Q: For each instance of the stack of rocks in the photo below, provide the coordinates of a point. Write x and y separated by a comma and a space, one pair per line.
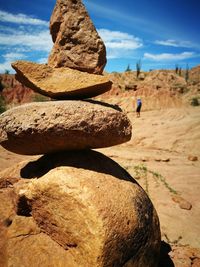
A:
73, 206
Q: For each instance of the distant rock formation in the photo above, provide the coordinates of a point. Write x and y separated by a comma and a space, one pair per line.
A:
13, 91
76, 42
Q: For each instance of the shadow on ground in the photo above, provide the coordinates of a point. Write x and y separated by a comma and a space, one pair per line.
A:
165, 260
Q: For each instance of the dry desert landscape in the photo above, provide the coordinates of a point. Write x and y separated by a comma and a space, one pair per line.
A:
84, 180
163, 154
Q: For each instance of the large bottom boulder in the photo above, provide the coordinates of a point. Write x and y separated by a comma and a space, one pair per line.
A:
86, 211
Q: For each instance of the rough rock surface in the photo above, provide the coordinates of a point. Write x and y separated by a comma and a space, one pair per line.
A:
60, 83
13, 91
76, 42
179, 256
46, 127
86, 216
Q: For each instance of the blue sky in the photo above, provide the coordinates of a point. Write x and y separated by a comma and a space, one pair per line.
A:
160, 33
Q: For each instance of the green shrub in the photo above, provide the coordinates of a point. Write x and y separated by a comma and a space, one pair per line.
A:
180, 88
176, 68
2, 104
7, 72
138, 67
1, 85
141, 171
194, 101
187, 73
128, 68
40, 98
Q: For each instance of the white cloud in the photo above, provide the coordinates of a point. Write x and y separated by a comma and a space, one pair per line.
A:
42, 60
27, 38
118, 43
20, 45
30, 38
13, 56
174, 43
8, 58
21, 19
112, 13
34, 41
168, 56
5, 66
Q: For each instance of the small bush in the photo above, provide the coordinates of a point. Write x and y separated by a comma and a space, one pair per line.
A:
1, 85
141, 171
138, 67
128, 68
115, 72
7, 72
2, 104
187, 73
194, 102
40, 98
176, 68
180, 88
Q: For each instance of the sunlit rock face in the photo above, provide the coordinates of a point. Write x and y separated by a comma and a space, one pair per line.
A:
60, 83
46, 127
76, 42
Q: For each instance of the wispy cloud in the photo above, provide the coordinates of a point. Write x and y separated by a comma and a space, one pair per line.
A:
24, 45
112, 13
26, 37
118, 43
31, 35
13, 56
34, 41
42, 60
8, 58
20, 19
132, 21
168, 56
174, 43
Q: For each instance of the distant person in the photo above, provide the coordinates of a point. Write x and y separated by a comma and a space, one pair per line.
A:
138, 108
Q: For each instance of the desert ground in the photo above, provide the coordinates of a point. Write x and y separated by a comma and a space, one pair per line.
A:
163, 155
164, 143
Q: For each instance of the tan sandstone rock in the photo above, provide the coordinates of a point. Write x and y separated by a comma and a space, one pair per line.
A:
76, 42
87, 217
46, 127
24, 233
60, 83
7, 211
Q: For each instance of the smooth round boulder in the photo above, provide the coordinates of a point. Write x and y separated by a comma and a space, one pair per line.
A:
83, 206
46, 127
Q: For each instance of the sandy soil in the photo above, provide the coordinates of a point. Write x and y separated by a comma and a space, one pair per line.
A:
161, 143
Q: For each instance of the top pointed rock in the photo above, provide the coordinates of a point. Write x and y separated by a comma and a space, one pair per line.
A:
77, 44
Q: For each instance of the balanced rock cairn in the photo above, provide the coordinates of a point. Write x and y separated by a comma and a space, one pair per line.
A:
73, 206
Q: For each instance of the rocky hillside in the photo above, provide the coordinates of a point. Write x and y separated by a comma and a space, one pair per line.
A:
158, 89
14, 93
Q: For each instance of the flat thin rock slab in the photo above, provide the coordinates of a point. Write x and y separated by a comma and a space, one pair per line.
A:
46, 127
60, 83
77, 44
